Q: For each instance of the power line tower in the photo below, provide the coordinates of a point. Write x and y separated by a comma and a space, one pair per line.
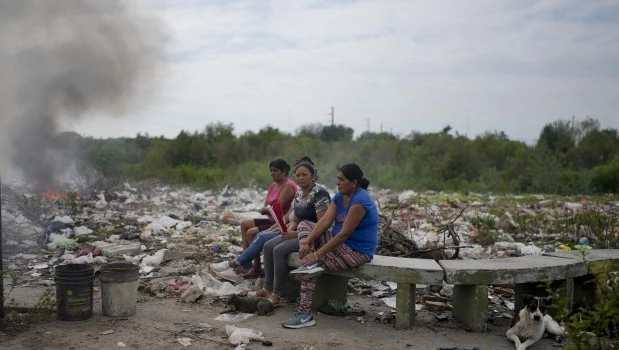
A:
332, 114
367, 122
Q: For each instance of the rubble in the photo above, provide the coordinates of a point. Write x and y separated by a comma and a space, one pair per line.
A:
173, 234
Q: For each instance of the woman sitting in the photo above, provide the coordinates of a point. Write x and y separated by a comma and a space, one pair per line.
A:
282, 190
351, 242
310, 203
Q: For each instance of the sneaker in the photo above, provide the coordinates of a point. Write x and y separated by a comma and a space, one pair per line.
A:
300, 320
306, 272
219, 267
230, 275
254, 273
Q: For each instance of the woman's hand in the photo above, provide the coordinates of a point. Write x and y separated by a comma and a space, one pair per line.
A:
290, 234
304, 249
309, 259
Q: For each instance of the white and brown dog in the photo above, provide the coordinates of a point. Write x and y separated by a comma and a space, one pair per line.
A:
530, 324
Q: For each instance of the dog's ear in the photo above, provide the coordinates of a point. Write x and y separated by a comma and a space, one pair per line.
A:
526, 298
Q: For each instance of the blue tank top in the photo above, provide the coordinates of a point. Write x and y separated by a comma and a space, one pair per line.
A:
365, 237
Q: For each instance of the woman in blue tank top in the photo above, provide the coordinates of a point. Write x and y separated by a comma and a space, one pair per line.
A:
351, 242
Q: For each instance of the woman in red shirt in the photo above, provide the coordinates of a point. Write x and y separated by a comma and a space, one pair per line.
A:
282, 190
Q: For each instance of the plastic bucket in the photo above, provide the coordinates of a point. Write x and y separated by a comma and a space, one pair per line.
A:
119, 289
74, 291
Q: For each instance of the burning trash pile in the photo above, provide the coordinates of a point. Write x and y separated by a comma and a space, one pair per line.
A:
173, 234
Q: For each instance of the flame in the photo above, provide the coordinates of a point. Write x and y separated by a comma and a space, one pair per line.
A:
53, 195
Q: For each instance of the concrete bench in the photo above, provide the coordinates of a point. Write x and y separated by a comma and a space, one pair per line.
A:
406, 272
599, 263
472, 277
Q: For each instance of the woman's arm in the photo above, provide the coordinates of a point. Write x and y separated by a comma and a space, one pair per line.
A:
292, 232
325, 220
264, 210
323, 223
353, 218
285, 196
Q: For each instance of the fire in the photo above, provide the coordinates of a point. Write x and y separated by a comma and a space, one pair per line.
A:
53, 195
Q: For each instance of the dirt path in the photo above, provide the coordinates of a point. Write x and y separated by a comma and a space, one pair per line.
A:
159, 322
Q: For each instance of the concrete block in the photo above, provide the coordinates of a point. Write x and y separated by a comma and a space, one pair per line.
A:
599, 262
405, 306
564, 287
523, 269
471, 306
329, 287
389, 268
290, 287
121, 249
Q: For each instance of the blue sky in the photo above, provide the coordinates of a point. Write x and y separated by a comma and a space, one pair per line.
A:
400, 64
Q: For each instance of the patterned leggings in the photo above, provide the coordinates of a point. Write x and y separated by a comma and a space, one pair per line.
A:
341, 258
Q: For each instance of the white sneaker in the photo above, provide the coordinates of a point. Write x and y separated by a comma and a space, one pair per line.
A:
306, 272
230, 275
219, 267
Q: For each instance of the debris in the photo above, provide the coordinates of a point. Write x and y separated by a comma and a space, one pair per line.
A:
200, 328
442, 317
234, 317
184, 341
507, 223
389, 301
40, 266
191, 294
109, 331
435, 306
238, 335
121, 344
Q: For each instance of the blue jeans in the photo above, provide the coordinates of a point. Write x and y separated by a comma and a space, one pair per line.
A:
254, 248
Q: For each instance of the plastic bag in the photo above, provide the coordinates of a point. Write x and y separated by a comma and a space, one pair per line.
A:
238, 336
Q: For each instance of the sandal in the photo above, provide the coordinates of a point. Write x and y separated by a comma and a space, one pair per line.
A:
259, 293
274, 298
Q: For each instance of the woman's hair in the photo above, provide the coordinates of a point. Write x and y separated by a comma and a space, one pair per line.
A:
281, 165
308, 164
351, 171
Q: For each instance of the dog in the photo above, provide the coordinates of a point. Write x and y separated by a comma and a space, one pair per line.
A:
530, 324
250, 305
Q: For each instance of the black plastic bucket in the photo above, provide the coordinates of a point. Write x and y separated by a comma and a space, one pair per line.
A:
119, 289
74, 291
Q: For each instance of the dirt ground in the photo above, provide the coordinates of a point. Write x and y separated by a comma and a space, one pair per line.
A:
158, 324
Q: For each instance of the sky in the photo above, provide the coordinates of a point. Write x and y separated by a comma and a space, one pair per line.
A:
391, 65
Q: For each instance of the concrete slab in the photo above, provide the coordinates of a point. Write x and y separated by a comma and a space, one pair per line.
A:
590, 255
597, 260
522, 269
394, 269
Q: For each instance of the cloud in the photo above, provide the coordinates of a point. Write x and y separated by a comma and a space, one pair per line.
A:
408, 65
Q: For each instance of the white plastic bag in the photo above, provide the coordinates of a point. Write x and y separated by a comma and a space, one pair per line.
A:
238, 336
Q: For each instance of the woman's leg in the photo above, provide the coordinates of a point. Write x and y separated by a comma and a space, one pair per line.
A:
244, 259
280, 262
246, 225
341, 258
269, 263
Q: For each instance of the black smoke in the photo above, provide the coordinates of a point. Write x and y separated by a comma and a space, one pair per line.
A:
64, 60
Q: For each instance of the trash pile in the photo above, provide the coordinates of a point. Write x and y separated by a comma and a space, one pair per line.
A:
173, 234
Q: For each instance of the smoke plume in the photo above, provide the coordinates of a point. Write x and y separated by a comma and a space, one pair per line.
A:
61, 61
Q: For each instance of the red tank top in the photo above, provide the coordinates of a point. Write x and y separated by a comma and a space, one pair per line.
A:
273, 196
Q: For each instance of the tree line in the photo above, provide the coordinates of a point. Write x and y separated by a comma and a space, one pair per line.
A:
570, 157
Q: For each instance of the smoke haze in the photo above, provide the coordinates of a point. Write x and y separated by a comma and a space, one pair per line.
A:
61, 61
